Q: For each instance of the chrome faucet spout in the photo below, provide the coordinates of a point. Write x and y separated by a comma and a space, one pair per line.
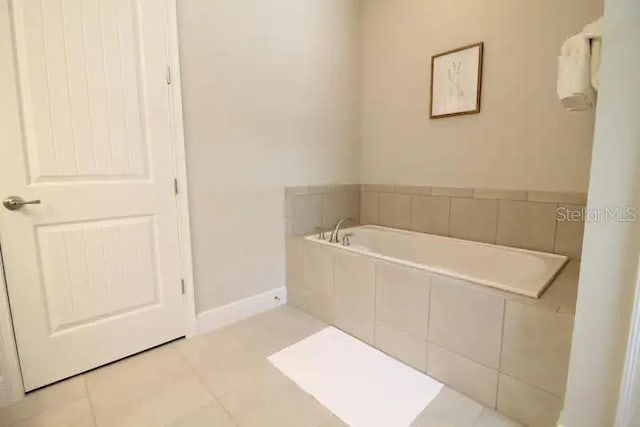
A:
334, 234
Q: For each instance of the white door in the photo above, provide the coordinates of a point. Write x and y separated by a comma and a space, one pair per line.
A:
93, 271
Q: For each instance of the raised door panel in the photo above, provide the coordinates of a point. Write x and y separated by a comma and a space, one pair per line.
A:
95, 270
80, 76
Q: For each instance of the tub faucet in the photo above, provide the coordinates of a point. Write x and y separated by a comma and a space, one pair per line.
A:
334, 234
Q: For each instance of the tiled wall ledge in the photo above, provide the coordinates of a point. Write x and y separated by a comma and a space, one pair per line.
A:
506, 352
522, 219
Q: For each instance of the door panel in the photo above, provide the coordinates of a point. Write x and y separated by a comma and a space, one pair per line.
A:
93, 272
81, 86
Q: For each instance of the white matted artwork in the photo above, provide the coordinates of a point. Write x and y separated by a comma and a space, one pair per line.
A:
456, 81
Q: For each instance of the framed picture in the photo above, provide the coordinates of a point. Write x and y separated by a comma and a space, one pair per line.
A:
456, 80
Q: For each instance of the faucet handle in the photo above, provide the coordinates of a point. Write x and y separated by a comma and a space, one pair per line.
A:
334, 234
345, 239
320, 231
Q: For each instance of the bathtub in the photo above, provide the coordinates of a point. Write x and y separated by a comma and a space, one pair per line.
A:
520, 271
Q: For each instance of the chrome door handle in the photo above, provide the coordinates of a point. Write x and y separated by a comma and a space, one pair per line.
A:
13, 203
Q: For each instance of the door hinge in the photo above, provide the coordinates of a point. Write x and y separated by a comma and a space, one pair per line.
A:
182, 285
175, 185
168, 75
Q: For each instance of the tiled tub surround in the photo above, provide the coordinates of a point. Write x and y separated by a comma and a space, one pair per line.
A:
522, 219
307, 208
508, 352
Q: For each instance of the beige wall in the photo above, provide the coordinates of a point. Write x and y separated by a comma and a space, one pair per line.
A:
270, 100
272, 92
522, 139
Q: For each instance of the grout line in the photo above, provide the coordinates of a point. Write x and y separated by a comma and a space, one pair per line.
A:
504, 321
495, 240
55, 406
479, 414
428, 322
465, 357
375, 301
411, 199
539, 389
332, 319
450, 215
204, 385
555, 230
93, 411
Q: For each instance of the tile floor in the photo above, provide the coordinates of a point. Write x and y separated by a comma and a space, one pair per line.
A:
219, 379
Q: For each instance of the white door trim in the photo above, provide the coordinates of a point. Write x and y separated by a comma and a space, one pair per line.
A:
181, 167
630, 384
11, 388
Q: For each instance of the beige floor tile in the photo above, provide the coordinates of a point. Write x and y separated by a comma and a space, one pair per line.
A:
74, 414
269, 332
334, 422
151, 389
227, 359
43, 400
490, 418
449, 409
164, 387
211, 415
222, 376
273, 400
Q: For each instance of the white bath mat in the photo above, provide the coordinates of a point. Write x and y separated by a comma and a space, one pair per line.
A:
361, 385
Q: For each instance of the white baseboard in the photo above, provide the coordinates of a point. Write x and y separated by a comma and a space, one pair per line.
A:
220, 317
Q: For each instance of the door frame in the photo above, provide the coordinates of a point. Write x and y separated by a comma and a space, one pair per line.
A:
630, 383
11, 387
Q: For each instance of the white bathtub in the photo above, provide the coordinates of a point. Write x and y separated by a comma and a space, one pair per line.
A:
519, 271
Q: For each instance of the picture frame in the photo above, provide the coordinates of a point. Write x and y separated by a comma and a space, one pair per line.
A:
456, 82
